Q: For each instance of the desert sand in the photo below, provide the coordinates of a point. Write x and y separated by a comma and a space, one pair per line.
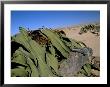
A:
88, 38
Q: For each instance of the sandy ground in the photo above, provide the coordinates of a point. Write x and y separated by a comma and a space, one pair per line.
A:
88, 38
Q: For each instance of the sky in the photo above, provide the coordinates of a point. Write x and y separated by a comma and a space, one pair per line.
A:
50, 19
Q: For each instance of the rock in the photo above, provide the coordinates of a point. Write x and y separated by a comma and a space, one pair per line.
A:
77, 58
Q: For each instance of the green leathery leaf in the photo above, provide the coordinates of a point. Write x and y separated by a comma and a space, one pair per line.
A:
18, 57
30, 55
33, 45
44, 69
52, 50
72, 43
28, 43
40, 55
82, 44
21, 39
52, 61
24, 32
36, 51
75, 43
57, 42
34, 70
52, 34
69, 44
28, 69
18, 72
87, 68
82, 71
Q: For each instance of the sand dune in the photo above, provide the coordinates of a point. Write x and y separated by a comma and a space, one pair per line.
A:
88, 38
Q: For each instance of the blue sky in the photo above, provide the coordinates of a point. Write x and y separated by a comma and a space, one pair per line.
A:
50, 19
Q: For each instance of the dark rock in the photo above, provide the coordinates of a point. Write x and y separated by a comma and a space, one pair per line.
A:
77, 58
